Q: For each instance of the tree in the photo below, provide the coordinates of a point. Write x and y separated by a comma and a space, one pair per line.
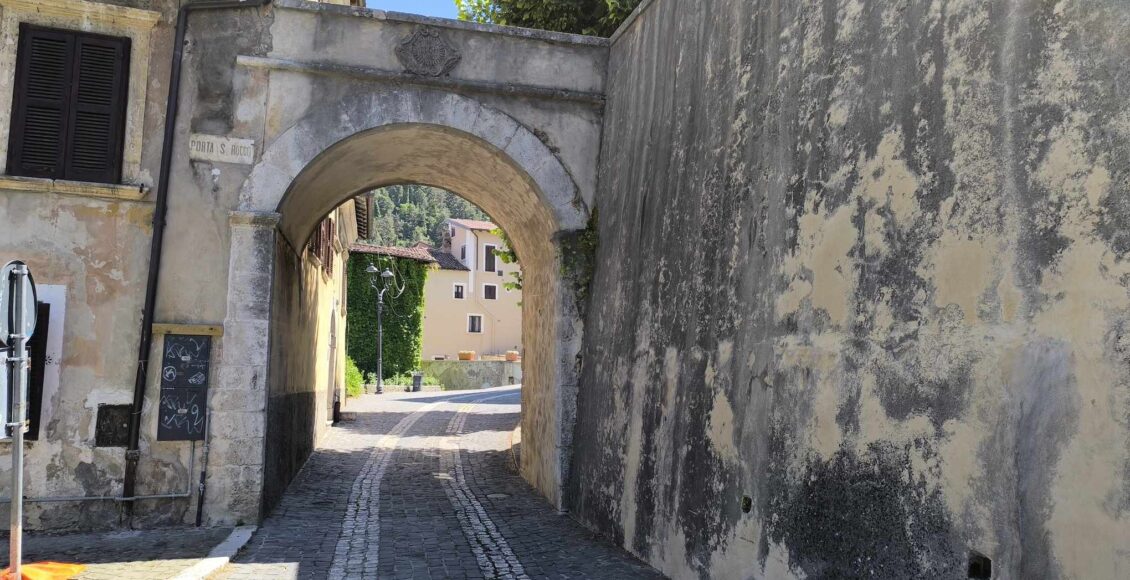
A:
477, 10
594, 17
406, 214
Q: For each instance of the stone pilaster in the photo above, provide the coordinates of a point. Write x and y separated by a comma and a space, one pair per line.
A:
239, 397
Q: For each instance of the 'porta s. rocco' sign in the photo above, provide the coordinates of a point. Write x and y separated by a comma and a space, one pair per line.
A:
222, 149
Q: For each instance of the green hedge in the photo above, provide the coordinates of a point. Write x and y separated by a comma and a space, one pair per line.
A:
354, 381
403, 315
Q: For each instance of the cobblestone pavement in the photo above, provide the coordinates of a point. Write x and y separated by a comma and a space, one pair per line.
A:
129, 555
424, 486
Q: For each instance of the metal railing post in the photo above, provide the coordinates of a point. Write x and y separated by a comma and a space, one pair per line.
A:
17, 363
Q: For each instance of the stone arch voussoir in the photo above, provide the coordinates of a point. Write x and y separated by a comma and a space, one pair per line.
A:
296, 148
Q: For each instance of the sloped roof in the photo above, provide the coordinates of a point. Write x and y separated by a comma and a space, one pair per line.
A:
421, 252
414, 253
446, 261
474, 224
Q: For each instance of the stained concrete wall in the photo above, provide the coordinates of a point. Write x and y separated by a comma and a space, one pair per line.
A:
864, 263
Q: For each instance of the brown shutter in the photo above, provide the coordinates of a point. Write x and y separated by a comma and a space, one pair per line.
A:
98, 110
37, 350
69, 103
41, 102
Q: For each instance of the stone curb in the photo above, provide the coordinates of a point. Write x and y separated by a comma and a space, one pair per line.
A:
219, 556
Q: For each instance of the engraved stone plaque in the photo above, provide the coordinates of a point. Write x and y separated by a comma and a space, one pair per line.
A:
222, 149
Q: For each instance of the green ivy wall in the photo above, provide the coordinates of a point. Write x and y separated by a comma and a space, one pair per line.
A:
403, 315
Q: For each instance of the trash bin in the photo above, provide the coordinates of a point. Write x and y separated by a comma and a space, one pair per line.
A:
417, 382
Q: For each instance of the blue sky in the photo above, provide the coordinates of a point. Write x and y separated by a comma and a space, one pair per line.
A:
444, 8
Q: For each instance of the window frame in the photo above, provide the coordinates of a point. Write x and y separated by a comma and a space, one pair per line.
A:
472, 316
493, 286
459, 291
489, 257
137, 24
70, 107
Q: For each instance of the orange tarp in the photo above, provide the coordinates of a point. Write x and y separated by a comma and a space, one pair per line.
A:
45, 571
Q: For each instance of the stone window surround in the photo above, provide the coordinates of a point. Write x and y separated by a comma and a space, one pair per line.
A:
481, 318
134, 23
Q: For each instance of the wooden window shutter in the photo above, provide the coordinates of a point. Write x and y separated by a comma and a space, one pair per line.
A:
68, 116
330, 234
98, 112
40, 113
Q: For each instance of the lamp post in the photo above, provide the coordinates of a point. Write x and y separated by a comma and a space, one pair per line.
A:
385, 277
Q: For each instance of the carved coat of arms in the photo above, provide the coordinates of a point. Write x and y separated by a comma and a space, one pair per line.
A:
426, 53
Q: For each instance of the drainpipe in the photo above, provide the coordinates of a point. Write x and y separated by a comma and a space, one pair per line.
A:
133, 453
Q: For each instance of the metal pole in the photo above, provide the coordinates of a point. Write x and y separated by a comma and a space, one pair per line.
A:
380, 342
18, 364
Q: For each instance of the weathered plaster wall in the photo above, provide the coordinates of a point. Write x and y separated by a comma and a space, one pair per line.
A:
87, 246
91, 242
307, 355
864, 263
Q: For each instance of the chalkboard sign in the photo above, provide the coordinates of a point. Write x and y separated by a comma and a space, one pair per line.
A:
185, 362
182, 414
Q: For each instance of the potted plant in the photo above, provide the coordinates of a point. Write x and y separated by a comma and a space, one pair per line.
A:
513, 356
466, 355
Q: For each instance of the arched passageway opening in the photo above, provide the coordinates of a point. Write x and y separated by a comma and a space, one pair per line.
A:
489, 160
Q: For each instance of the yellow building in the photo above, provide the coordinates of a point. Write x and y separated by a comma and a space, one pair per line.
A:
466, 303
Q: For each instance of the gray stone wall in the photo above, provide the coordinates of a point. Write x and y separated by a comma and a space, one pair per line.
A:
861, 302
473, 374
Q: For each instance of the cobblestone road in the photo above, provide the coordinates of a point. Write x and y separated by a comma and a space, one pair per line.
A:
424, 486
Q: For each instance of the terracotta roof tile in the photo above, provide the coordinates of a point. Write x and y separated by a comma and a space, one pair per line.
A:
446, 261
415, 253
421, 252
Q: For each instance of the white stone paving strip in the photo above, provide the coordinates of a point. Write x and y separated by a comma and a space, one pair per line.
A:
358, 548
495, 557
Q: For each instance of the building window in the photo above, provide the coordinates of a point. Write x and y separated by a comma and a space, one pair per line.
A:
322, 245
490, 292
463, 252
489, 258
474, 323
69, 105
458, 291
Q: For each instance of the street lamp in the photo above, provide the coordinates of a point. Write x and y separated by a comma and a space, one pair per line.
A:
385, 277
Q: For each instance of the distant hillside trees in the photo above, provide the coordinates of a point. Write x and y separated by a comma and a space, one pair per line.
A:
406, 214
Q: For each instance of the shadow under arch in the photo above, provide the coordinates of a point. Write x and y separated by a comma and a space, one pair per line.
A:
474, 151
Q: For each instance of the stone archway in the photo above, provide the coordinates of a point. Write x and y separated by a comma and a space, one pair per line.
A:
442, 140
